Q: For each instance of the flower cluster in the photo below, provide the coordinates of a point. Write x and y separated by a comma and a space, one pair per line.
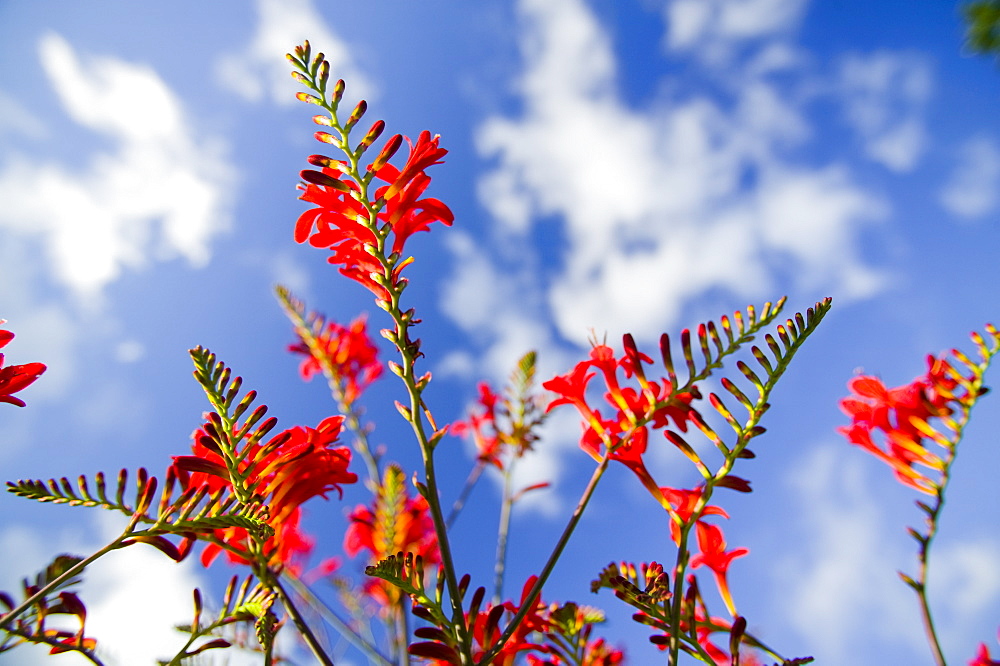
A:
651, 404
348, 354
14, 378
394, 523
625, 434
549, 635
900, 414
481, 425
345, 223
286, 471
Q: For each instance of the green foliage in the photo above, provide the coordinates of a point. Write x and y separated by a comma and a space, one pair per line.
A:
248, 603
192, 512
45, 596
983, 26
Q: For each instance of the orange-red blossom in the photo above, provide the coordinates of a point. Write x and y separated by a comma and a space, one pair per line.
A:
299, 464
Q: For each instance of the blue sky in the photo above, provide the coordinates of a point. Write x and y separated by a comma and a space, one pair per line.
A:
618, 166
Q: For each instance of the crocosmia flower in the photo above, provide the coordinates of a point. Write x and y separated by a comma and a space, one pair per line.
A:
895, 414
633, 409
482, 426
343, 224
303, 465
14, 378
348, 352
714, 555
395, 522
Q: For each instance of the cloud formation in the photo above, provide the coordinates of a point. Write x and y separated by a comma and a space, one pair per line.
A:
884, 95
973, 189
661, 205
715, 29
161, 191
261, 71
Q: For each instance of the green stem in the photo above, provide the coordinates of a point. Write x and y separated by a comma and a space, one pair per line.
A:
543, 576
470, 483
342, 627
300, 623
70, 573
502, 534
45, 640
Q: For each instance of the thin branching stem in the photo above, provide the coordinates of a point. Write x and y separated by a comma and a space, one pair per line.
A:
532, 598
70, 573
328, 614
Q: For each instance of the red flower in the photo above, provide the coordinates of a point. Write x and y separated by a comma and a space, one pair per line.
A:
482, 425
636, 409
983, 656
894, 412
683, 503
394, 523
14, 378
299, 464
713, 555
349, 352
344, 225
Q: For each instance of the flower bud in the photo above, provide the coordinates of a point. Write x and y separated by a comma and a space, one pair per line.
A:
319, 178
326, 137
317, 61
324, 74
374, 133
390, 149
338, 92
304, 51
307, 98
326, 121
359, 111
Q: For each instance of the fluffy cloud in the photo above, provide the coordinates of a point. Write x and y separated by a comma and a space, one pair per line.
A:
973, 190
713, 29
133, 623
841, 589
884, 94
665, 204
160, 193
262, 71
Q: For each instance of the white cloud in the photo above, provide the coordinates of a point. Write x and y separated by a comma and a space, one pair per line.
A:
133, 596
973, 190
17, 119
964, 584
262, 70
843, 592
663, 204
714, 28
884, 95
161, 193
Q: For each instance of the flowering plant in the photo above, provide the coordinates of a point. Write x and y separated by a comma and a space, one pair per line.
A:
240, 490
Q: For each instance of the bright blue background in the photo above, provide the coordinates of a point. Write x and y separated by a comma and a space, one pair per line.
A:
609, 169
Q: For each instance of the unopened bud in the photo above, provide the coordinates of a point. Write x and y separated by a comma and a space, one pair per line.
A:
338, 92
304, 51
319, 178
326, 137
326, 121
390, 149
320, 58
374, 133
298, 76
359, 111
324, 74
320, 161
309, 99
